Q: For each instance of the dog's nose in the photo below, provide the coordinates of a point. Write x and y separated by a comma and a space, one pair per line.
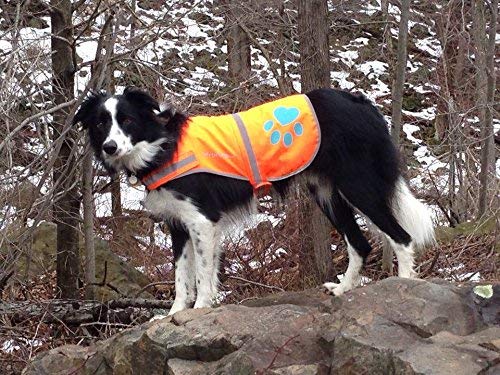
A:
110, 147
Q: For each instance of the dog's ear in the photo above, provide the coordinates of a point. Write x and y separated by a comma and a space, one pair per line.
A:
86, 113
141, 98
167, 113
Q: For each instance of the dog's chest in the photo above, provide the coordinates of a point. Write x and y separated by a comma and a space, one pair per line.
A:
167, 205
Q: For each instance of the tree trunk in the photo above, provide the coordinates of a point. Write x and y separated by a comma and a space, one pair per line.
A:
238, 43
315, 73
384, 7
66, 204
399, 79
88, 222
485, 60
101, 76
397, 107
387, 253
314, 46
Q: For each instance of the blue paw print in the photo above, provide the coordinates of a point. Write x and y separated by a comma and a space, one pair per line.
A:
285, 117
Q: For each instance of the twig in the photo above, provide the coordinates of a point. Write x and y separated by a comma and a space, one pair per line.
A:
433, 263
34, 117
257, 283
103, 282
278, 351
153, 284
4, 278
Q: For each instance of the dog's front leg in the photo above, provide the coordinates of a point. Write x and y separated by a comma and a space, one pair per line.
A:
203, 235
182, 247
185, 292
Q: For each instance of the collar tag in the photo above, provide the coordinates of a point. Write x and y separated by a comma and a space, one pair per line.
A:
133, 180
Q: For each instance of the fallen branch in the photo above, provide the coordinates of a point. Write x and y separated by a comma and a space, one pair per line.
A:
75, 312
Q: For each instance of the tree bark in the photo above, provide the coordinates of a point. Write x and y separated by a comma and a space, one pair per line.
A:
238, 43
314, 46
399, 79
397, 107
315, 73
486, 49
88, 222
101, 76
66, 205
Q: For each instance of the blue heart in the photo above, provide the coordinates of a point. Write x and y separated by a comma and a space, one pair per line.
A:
286, 115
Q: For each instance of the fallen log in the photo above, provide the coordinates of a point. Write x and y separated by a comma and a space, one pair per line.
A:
75, 312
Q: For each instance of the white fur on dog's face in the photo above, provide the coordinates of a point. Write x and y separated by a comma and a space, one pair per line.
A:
116, 133
130, 155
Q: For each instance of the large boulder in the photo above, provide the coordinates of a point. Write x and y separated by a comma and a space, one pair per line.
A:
41, 258
395, 326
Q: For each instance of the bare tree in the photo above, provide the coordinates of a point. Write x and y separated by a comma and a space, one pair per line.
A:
397, 101
315, 73
67, 205
485, 86
88, 221
238, 42
399, 78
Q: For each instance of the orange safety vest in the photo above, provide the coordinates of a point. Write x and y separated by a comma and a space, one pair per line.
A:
266, 143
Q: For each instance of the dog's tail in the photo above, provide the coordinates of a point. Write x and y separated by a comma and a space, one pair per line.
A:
412, 215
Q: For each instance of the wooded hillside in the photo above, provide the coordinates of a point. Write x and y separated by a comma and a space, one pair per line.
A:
430, 67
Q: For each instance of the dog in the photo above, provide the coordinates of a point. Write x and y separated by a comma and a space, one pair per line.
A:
350, 167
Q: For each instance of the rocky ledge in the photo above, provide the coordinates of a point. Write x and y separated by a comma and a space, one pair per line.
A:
395, 326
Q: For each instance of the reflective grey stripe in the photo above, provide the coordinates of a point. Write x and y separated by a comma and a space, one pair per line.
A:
248, 148
171, 168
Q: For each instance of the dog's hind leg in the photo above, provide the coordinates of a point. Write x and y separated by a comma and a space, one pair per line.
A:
377, 210
405, 256
185, 292
342, 217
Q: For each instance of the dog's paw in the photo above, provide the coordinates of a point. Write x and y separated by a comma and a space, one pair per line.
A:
202, 305
337, 289
177, 306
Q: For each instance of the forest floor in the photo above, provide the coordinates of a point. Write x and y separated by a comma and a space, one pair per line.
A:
467, 253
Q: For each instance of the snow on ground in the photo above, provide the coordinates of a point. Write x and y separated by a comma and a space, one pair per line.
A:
430, 45
348, 57
12, 345
187, 37
341, 79
453, 273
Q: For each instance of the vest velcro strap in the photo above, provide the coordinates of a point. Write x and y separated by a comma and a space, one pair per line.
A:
167, 172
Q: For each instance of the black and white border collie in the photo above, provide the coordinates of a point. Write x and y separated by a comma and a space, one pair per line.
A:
355, 170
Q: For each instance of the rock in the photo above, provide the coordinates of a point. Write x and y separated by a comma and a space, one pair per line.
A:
42, 258
121, 275
395, 326
482, 227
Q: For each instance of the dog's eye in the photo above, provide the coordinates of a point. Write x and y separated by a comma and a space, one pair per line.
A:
127, 121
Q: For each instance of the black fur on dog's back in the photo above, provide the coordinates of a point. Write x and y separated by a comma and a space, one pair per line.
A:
356, 147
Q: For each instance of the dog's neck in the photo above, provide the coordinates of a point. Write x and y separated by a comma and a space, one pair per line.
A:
166, 149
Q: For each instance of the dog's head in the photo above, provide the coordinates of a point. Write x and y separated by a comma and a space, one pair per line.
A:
126, 131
